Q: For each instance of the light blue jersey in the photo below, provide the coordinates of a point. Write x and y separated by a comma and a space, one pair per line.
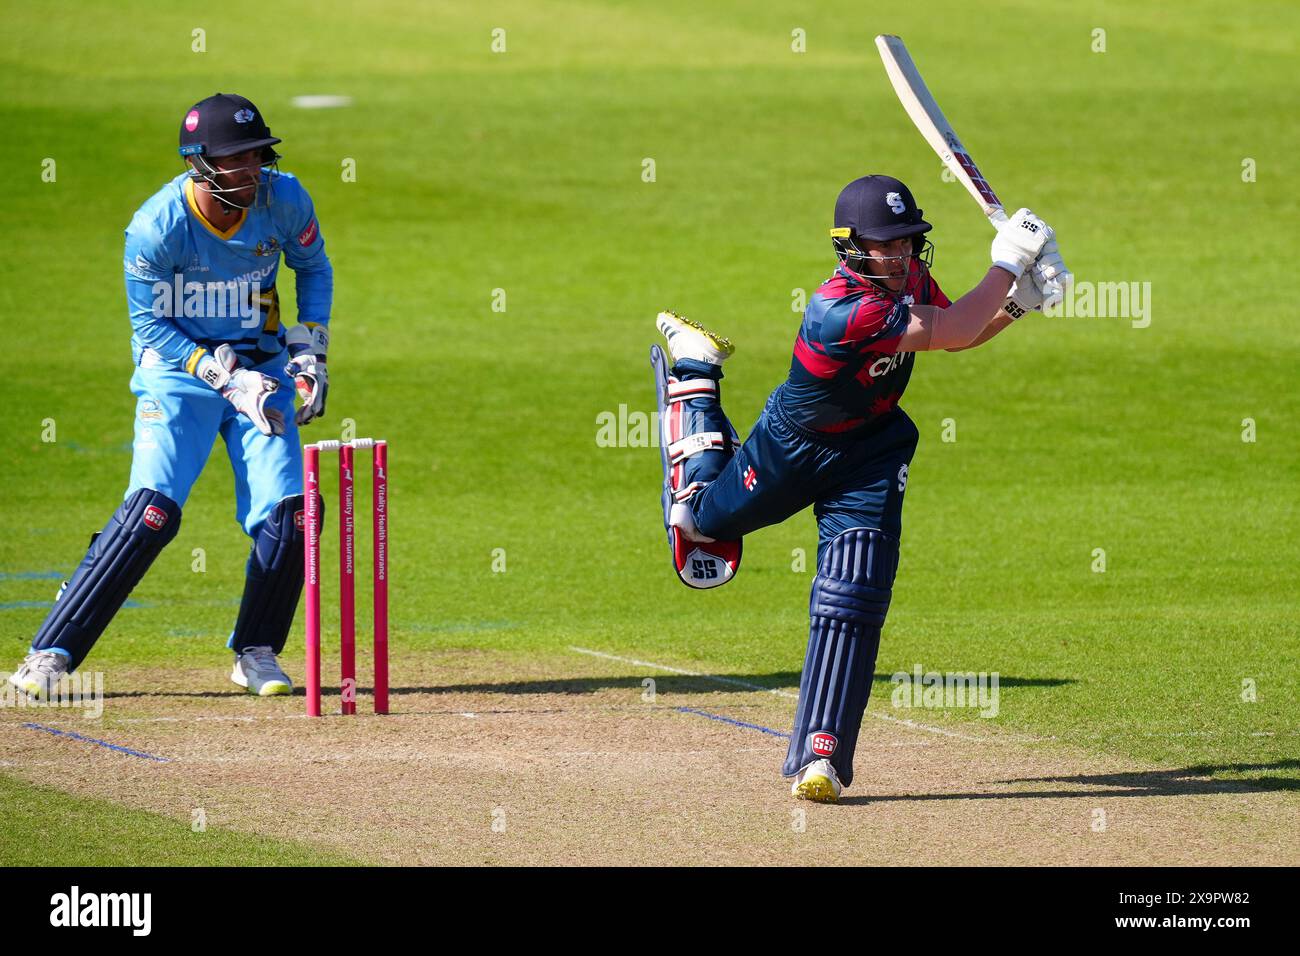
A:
182, 274
191, 286
211, 362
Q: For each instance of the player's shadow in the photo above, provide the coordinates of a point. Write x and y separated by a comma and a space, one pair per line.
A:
1187, 781
787, 681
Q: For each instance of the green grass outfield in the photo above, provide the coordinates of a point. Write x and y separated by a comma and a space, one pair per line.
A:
523, 171
46, 827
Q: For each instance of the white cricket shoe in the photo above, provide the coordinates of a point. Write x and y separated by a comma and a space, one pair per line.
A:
817, 781
687, 339
258, 670
39, 673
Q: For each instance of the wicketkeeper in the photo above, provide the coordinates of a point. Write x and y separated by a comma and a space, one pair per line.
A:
211, 359
833, 436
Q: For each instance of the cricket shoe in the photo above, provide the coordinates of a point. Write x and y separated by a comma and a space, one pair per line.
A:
690, 340
818, 781
39, 673
257, 669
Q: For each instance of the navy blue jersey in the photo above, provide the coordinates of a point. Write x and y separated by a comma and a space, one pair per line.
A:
847, 370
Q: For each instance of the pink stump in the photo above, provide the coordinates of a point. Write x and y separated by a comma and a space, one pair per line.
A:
380, 507
347, 582
311, 536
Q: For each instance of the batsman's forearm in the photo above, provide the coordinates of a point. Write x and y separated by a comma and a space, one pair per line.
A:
966, 318
1000, 322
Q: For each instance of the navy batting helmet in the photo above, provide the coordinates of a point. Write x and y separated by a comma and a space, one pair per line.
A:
224, 124
880, 208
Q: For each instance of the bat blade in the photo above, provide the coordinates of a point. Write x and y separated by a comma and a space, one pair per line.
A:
924, 111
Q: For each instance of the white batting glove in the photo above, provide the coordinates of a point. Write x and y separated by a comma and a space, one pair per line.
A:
244, 388
1019, 241
1042, 286
1051, 276
1025, 297
307, 347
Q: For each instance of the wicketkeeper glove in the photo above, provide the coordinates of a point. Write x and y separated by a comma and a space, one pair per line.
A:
307, 345
244, 388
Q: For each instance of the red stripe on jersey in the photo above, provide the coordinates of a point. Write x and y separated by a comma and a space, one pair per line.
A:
869, 318
836, 287
937, 297
818, 364
887, 346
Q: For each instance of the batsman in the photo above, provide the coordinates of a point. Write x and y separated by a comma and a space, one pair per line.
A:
211, 359
833, 436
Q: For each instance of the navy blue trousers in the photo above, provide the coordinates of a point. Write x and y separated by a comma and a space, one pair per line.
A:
852, 481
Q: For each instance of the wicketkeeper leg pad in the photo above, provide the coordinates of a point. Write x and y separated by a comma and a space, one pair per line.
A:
273, 581
117, 559
696, 441
850, 598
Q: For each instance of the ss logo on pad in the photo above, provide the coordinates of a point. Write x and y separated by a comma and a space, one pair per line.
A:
704, 568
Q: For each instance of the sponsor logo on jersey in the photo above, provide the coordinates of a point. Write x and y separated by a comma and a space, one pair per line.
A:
823, 744
308, 235
141, 268
150, 411
887, 363
751, 478
299, 520
154, 517
257, 275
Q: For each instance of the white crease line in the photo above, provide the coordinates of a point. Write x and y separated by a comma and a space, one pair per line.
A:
678, 670
933, 730
780, 693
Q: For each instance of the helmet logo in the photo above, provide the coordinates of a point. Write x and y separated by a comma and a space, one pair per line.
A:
192, 120
896, 203
244, 116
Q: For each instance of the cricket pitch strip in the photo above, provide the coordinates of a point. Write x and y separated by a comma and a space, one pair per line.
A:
491, 758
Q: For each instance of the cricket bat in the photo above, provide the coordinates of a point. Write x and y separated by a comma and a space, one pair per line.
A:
934, 126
